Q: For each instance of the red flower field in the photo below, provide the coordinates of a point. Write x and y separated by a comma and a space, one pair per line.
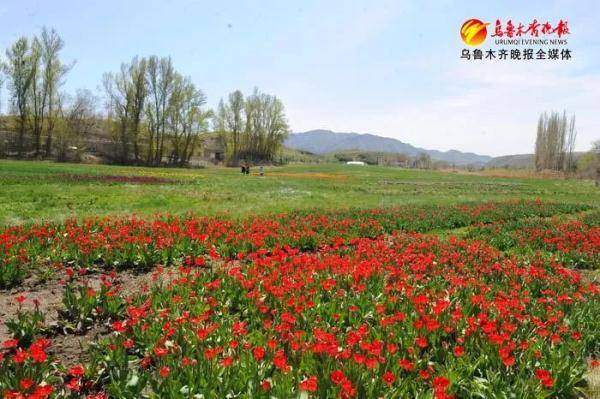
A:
349, 304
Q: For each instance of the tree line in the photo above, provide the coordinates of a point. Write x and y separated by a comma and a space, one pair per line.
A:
154, 114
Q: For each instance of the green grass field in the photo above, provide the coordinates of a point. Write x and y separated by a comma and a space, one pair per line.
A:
35, 191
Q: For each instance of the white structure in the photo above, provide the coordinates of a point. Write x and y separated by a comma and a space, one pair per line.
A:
361, 163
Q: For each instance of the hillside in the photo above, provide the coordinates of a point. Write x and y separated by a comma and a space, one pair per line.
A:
326, 141
518, 161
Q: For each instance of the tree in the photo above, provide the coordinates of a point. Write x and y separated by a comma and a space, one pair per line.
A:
18, 68
160, 75
35, 72
36, 96
269, 126
2, 78
596, 151
230, 123
53, 74
117, 91
137, 94
126, 91
555, 142
423, 161
254, 127
570, 163
79, 119
186, 119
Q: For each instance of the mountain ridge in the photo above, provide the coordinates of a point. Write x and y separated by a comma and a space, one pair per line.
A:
322, 141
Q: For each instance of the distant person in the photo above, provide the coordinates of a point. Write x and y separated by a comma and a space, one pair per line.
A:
247, 169
243, 170
261, 171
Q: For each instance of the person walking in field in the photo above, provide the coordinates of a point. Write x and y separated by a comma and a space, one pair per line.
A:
247, 169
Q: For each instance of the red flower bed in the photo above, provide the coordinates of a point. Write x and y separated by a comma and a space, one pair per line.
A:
575, 242
138, 243
400, 316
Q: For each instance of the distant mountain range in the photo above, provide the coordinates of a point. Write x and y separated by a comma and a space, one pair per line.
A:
326, 141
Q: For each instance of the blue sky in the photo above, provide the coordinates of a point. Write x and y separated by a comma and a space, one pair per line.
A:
387, 67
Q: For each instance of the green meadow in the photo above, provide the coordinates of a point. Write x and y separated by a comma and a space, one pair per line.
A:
36, 191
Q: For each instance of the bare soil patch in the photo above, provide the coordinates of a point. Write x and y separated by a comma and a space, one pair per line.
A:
49, 296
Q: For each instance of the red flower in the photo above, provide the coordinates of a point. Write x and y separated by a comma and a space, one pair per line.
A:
545, 378
441, 383
388, 377
25, 384
119, 326
265, 385
258, 353
406, 364
74, 384
280, 361
227, 361
20, 356
77, 371
459, 351
164, 371
421, 342
348, 391
42, 391
309, 385
10, 343
337, 376
508, 361
160, 352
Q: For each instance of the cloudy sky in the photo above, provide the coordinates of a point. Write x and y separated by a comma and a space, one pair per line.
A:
391, 68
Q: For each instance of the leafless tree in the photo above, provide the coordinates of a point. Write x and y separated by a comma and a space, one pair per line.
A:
596, 151
423, 161
555, 142
126, 92
78, 114
119, 91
